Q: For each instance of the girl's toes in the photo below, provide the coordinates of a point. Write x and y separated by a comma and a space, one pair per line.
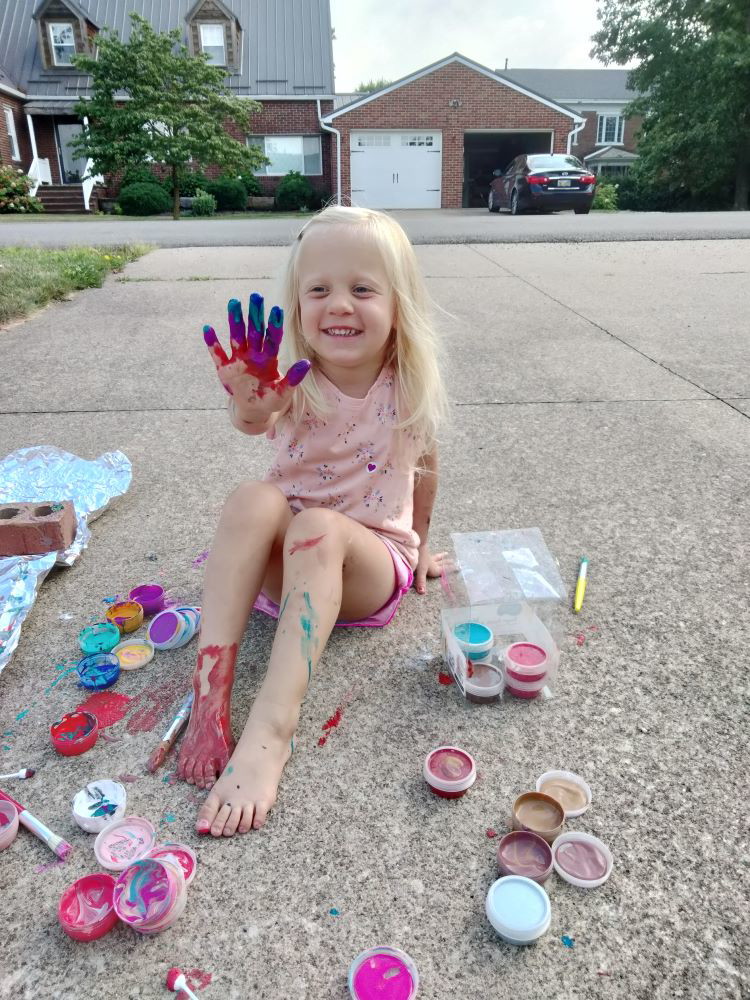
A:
217, 827
207, 813
246, 822
206, 774
261, 814
230, 827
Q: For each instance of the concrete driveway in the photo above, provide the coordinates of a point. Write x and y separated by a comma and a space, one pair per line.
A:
601, 393
472, 225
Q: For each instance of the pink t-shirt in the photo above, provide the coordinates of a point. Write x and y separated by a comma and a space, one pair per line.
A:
349, 462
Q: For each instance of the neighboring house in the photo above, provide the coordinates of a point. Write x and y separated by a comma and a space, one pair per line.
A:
278, 52
608, 142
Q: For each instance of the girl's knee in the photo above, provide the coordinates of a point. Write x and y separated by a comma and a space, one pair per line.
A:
314, 527
253, 500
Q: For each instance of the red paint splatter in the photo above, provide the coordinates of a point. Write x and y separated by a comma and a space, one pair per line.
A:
491, 833
153, 704
107, 706
127, 778
593, 628
331, 723
445, 678
308, 543
580, 638
604, 973
197, 980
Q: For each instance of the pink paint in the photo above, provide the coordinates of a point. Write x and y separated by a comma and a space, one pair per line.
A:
449, 771
382, 976
127, 778
491, 833
580, 638
526, 654
582, 860
107, 706
85, 911
308, 543
40, 869
445, 678
197, 979
200, 558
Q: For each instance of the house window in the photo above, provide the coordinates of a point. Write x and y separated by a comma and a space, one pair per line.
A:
609, 130
374, 139
11, 127
63, 43
289, 152
416, 140
212, 43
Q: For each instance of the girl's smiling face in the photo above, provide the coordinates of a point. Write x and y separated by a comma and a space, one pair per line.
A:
347, 307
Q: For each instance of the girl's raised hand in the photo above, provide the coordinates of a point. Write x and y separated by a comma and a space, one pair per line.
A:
251, 374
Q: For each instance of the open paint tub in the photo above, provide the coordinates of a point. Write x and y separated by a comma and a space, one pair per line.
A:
383, 974
86, 908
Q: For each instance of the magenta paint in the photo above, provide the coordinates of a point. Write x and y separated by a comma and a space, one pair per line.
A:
449, 771
150, 596
383, 974
525, 661
86, 911
525, 853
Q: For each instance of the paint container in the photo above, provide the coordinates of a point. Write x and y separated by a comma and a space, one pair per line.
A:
86, 909
150, 895
524, 853
449, 771
526, 666
124, 841
538, 813
74, 733
132, 654
126, 615
99, 638
150, 596
174, 628
474, 639
383, 974
98, 804
582, 860
8, 823
98, 671
181, 854
518, 909
570, 790
484, 682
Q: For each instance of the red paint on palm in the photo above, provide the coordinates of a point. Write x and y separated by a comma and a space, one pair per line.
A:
209, 733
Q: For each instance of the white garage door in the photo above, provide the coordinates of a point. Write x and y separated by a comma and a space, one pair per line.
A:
396, 169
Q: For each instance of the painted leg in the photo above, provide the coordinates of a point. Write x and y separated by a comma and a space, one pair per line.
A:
251, 528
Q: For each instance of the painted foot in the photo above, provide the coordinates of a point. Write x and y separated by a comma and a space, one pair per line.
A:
205, 750
242, 797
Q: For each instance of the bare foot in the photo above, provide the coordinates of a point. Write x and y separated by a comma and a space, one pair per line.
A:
208, 742
241, 798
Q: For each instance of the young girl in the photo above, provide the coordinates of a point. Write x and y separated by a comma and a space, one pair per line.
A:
338, 528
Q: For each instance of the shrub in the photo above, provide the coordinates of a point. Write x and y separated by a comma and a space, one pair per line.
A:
204, 204
294, 192
191, 182
144, 199
251, 183
230, 194
140, 173
605, 198
14, 192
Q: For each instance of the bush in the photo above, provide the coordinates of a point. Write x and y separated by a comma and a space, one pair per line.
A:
144, 199
230, 194
14, 192
605, 198
204, 204
191, 182
295, 192
251, 183
140, 173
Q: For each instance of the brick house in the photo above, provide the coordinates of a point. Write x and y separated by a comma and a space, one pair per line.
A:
608, 142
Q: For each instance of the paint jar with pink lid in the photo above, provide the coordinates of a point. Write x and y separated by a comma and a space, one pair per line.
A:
150, 895
449, 771
582, 859
526, 668
383, 974
86, 909
538, 813
524, 853
8, 823
124, 841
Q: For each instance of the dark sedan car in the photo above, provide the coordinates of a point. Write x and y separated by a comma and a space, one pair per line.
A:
543, 182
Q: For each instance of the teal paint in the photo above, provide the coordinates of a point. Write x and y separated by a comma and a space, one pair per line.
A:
309, 622
569, 942
23, 714
283, 605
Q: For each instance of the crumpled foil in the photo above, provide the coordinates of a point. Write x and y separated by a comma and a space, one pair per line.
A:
44, 474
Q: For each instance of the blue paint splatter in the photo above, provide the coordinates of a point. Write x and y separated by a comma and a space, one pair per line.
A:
230, 769
333, 911
111, 600
569, 942
169, 818
283, 606
59, 666
22, 715
309, 623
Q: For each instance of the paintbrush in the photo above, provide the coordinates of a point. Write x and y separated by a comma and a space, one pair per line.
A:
28, 772
176, 982
157, 757
56, 844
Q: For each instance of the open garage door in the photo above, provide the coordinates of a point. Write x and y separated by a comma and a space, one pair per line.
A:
488, 151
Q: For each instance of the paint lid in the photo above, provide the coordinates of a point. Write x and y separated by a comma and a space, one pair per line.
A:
570, 790
450, 769
483, 679
181, 854
99, 638
383, 973
86, 908
582, 859
133, 654
150, 895
167, 629
124, 841
98, 671
525, 853
74, 733
474, 638
8, 823
518, 909
98, 804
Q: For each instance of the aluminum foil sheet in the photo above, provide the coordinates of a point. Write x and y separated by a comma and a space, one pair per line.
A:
44, 474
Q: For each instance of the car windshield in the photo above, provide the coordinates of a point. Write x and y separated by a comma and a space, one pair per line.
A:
555, 163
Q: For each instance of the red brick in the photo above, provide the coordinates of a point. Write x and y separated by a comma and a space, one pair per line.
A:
33, 528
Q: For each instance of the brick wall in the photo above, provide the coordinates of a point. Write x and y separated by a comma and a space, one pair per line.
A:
24, 147
424, 104
587, 136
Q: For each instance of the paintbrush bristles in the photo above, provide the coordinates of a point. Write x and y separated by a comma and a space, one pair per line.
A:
176, 981
27, 772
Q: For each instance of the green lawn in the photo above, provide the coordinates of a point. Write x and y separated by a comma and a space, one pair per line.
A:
15, 218
32, 277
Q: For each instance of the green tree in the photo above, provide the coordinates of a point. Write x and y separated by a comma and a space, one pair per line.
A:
366, 88
151, 100
693, 78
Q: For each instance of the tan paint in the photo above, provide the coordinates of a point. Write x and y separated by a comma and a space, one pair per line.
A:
539, 813
570, 795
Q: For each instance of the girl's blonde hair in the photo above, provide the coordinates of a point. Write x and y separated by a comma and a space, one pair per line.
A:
414, 349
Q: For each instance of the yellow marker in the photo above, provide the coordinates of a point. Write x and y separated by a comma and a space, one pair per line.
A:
580, 585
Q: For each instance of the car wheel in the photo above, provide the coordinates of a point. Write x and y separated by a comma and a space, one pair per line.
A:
582, 211
491, 203
514, 208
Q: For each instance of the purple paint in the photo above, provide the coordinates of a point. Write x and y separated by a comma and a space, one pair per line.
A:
165, 627
200, 558
383, 974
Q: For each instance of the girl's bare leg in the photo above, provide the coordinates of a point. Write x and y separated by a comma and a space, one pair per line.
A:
333, 567
249, 536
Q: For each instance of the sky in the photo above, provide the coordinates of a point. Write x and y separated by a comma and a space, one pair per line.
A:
392, 38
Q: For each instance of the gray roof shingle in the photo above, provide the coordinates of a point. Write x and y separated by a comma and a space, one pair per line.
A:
566, 85
286, 44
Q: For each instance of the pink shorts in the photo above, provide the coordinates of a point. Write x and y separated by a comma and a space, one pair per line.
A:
404, 579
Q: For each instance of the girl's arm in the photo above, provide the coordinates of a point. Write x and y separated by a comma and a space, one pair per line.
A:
425, 491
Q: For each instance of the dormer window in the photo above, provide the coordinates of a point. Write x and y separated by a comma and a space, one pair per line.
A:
62, 38
213, 43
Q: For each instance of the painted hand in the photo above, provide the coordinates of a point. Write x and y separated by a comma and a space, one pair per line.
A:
251, 374
428, 565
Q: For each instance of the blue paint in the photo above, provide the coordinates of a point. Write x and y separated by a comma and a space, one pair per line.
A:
230, 769
22, 715
170, 818
283, 606
111, 600
308, 622
473, 633
59, 666
569, 942
333, 911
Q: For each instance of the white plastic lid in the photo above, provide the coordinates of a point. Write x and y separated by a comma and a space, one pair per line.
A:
99, 804
582, 859
442, 781
124, 841
134, 653
555, 788
518, 908
483, 679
